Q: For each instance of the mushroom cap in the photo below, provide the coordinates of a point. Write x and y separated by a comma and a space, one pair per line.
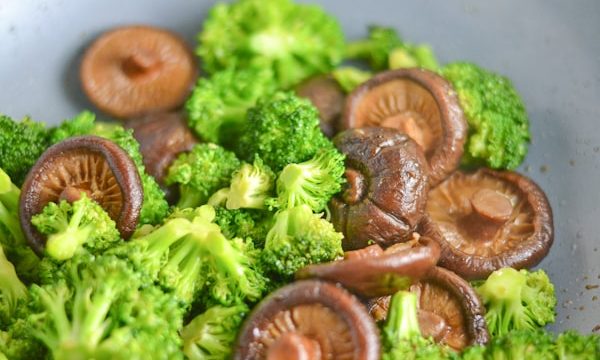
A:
419, 103
162, 136
90, 164
386, 189
320, 313
328, 97
444, 294
135, 70
378, 275
489, 220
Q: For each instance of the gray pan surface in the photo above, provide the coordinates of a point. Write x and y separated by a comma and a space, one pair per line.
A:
549, 48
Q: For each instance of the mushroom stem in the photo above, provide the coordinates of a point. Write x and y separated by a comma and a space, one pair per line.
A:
73, 193
489, 211
139, 64
293, 346
355, 187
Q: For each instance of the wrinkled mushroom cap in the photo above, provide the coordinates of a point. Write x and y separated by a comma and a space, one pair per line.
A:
328, 97
419, 103
87, 164
135, 70
386, 190
382, 273
309, 317
489, 220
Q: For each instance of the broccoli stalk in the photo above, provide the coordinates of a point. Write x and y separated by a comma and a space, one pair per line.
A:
350, 77
211, 335
299, 238
498, 124
201, 172
311, 183
517, 300
250, 187
282, 129
11, 236
402, 337
71, 226
12, 290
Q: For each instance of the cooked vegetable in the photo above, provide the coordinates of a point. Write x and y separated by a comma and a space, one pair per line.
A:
244, 223
12, 291
250, 187
281, 129
201, 172
517, 300
211, 335
311, 183
294, 40
71, 226
217, 107
350, 77
21, 143
385, 49
299, 238
498, 122
571, 345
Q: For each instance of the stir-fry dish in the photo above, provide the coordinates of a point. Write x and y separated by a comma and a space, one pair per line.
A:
280, 193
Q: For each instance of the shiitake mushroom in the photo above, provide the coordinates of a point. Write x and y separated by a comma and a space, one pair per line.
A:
309, 319
88, 164
488, 220
419, 103
135, 70
386, 190
328, 97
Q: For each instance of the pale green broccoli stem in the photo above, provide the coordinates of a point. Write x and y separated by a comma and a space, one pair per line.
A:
162, 238
402, 322
9, 193
11, 287
349, 77
189, 198
12, 224
64, 244
250, 187
219, 198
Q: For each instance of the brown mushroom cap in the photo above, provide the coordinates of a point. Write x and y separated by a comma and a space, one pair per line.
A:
444, 294
309, 317
162, 136
419, 103
378, 275
328, 97
386, 190
135, 70
87, 164
489, 220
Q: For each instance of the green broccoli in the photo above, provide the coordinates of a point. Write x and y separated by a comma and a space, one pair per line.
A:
244, 224
350, 77
385, 49
311, 183
522, 345
250, 187
517, 300
294, 40
299, 238
18, 342
571, 345
211, 335
71, 226
282, 129
13, 292
201, 172
498, 123
401, 336
12, 238
82, 124
21, 144
217, 107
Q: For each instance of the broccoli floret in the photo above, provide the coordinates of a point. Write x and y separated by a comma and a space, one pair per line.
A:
71, 226
350, 77
517, 300
250, 187
401, 336
201, 172
13, 292
185, 256
294, 40
384, 48
211, 335
21, 144
311, 183
299, 238
571, 345
282, 129
82, 124
217, 107
18, 342
522, 345
12, 238
244, 224
498, 124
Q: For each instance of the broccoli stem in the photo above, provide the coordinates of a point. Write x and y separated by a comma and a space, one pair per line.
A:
402, 322
63, 245
11, 287
162, 238
9, 193
189, 198
11, 222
